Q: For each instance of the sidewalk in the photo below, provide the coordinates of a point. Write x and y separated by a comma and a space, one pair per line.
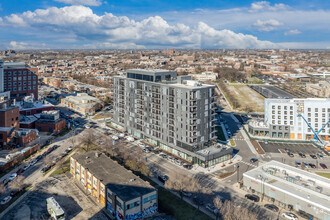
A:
217, 167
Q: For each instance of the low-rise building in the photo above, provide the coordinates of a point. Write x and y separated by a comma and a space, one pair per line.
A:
321, 89
51, 122
82, 103
121, 193
290, 188
205, 76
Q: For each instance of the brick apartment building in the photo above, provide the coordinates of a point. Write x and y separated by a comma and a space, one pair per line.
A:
122, 194
20, 80
11, 134
51, 122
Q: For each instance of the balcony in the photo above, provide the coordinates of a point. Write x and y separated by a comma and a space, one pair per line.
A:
171, 99
193, 115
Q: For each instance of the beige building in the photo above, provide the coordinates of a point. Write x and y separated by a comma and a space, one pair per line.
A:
321, 89
82, 103
205, 76
121, 193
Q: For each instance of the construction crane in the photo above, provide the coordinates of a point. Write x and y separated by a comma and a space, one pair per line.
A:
316, 134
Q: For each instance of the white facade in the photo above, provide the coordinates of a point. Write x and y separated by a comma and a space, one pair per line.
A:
285, 112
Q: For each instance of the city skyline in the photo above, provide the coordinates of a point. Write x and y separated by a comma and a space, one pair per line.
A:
96, 24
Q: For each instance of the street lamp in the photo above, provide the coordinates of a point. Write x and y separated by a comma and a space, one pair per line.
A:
237, 173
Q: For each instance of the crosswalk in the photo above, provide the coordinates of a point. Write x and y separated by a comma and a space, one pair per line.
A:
239, 139
249, 164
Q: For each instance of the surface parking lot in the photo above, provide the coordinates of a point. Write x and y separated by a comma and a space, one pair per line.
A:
294, 148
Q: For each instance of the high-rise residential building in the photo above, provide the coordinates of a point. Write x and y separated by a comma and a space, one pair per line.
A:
1, 77
20, 80
283, 119
169, 111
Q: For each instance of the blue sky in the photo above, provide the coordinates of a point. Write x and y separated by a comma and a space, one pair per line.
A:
148, 24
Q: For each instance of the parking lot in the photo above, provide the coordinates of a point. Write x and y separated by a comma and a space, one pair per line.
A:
75, 203
294, 148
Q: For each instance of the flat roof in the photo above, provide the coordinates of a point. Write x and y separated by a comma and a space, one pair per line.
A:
299, 183
122, 182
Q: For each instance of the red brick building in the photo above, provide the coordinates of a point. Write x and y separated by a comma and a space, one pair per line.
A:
51, 122
20, 80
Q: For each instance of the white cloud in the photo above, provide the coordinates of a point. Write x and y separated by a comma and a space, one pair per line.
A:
14, 45
266, 6
267, 25
81, 2
292, 32
122, 32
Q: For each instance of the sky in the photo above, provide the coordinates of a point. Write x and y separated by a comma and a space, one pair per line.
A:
159, 24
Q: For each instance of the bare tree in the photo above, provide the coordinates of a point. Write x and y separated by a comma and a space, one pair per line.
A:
88, 140
17, 184
178, 183
199, 190
3, 188
229, 211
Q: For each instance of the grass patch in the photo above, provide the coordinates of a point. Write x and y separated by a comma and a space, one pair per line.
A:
232, 142
224, 175
220, 133
172, 205
63, 169
327, 175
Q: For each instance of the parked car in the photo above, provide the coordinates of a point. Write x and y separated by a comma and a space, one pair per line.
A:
187, 194
145, 150
38, 157
69, 148
211, 208
44, 154
312, 165
55, 146
163, 156
320, 156
163, 179
289, 216
33, 162
253, 160
187, 166
290, 154
272, 207
177, 162
14, 193
253, 198
306, 164
287, 150
45, 169
298, 164
18, 172
5, 181
12, 176
302, 155
50, 150
313, 156
5, 200
323, 166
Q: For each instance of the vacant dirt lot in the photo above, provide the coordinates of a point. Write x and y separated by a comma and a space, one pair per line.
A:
248, 99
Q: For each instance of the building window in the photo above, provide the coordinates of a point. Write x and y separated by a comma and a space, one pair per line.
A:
29, 77
9, 78
14, 73
15, 89
24, 73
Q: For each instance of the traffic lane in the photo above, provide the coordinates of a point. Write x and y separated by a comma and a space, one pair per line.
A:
232, 125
